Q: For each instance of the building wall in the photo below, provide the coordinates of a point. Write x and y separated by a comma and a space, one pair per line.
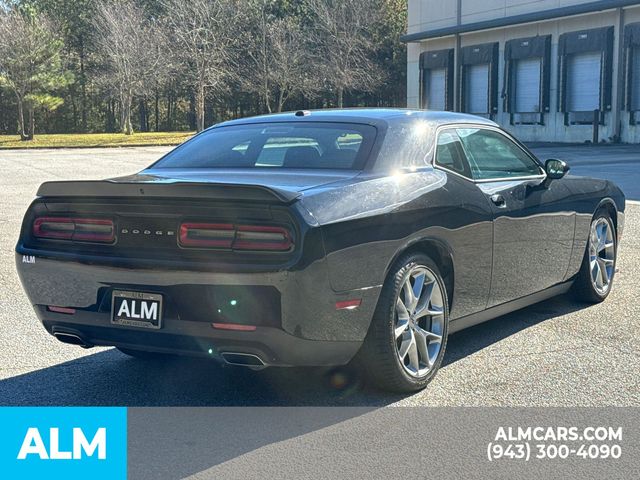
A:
433, 14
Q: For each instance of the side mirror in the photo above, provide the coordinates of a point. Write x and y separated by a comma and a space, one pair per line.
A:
556, 169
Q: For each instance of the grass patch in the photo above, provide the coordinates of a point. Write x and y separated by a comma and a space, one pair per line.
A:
90, 140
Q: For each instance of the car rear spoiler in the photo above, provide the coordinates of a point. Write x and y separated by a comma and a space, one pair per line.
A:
186, 190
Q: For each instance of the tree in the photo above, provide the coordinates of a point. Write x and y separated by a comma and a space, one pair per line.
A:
30, 64
345, 45
75, 21
279, 56
390, 53
131, 45
205, 34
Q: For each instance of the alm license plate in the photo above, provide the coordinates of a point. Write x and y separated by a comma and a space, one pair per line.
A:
136, 309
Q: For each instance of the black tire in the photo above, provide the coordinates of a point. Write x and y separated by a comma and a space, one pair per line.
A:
583, 288
378, 357
143, 355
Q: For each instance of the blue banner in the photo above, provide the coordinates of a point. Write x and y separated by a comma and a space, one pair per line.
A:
60, 442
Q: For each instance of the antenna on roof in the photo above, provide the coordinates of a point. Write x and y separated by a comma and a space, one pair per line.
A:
303, 113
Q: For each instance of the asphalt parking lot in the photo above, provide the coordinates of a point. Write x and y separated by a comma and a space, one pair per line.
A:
558, 353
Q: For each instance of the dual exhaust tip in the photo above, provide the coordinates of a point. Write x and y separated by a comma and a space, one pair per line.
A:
72, 339
248, 360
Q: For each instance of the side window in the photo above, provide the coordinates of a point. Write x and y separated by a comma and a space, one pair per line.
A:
450, 154
492, 155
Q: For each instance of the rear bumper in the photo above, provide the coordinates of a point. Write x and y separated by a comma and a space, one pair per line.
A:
295, 314
272, 346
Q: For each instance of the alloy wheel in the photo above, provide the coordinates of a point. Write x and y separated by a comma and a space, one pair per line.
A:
601, 254
419, 321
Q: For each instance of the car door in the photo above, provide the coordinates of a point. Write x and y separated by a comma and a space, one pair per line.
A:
470, 232
533, 226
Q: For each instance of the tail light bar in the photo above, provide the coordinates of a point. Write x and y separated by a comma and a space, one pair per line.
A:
236, 237
75, 229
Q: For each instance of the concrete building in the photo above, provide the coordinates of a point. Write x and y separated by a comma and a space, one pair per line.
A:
546, 70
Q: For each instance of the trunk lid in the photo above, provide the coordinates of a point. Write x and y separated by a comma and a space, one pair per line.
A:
259, 185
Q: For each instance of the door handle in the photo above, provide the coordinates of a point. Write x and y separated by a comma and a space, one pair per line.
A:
498, 200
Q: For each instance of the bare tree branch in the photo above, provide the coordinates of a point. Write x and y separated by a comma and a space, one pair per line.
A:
129, 42
204, 33
345, 44
279, 58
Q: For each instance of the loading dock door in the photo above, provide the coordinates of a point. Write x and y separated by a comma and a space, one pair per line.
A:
435, 96
477, 88
583, 81
527, 85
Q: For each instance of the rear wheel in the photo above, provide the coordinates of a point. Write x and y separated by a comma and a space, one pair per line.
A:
408, 334
595, 279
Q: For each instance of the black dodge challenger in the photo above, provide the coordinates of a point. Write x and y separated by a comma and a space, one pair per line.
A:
318, 238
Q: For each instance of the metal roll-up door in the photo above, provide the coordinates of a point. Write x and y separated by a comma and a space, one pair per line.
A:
435, 98
583, 81
527, 85
477, 88
635, 79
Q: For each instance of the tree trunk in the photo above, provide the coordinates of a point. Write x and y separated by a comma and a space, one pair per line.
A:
157, 111
144, 116
21, 129
83, 88
280, 101
125, 115
32, 124
340, 97
200, 108
110, 124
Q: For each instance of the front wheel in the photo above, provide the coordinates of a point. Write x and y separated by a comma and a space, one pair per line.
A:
408, 334
595, 278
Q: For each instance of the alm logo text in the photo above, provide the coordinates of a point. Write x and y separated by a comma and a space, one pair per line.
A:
33, 444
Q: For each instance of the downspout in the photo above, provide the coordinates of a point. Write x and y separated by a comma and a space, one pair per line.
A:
457, 107
619, 99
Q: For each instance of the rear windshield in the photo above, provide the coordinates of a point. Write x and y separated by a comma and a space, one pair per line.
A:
276, 145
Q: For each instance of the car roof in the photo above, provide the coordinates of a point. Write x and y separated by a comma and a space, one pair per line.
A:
372, 116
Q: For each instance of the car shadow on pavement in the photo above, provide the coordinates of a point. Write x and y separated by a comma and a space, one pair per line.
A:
207, 440
471, 340
111, 378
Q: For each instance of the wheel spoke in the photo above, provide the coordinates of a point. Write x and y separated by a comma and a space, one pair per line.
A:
595, 270
604, 246
598, 276
410, 299
432, 337
401, 310
435, 311
421, 342
604, 275
406, 346
423, 302
607, 262
414, 361
418, 285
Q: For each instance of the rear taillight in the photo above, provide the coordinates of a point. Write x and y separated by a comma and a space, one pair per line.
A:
237, 237
207, 235
76, 229
262, 238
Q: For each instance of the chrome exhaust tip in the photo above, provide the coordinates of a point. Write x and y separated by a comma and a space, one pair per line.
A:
72, 339
248, 360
